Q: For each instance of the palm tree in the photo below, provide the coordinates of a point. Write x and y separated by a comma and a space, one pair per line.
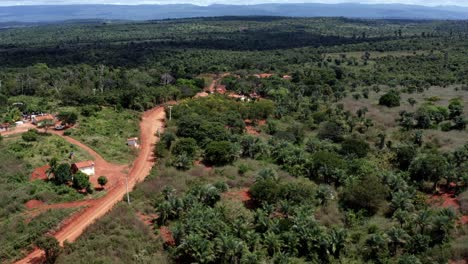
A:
53, 163
397, 238
229, 248
272, 242
338, 238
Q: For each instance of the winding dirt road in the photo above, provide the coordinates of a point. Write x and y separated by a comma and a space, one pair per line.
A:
74, 226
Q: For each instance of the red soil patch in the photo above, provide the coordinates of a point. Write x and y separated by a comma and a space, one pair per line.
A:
241, 195
147, 219
167, 236
464, 220
40, 173
445, 200
32, 204
252, 131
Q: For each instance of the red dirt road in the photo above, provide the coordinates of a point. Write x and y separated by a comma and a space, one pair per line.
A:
152, 120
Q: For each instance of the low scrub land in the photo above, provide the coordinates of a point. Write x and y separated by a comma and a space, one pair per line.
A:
107, 131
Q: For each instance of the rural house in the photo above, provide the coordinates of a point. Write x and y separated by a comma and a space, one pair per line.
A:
132, 142
87, 167
39, 120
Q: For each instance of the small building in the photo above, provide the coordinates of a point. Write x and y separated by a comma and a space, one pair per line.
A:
133, 142
4, 127
221, 89
39, 120
287, 77
87, 167
263, 75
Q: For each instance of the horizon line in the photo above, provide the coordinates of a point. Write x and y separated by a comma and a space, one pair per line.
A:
233, 4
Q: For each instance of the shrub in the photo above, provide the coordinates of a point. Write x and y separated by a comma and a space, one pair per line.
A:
62, 174
446, 126
30, 136
327, 167
186, 146
221, 152
51, 247
366, 193
390, 99
405, 155
68, 118
90, 110
102, 180
332, 131
81, 181
355, 147
428, 167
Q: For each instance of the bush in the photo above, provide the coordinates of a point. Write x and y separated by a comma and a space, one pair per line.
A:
62, 174
366, 193
30, 136
90, 110
355, 147
405, 155
446, 126
221, 153
390, 99
185, 146
332, 131
102, 180
429, 167
81, 181
51, 247
327, 167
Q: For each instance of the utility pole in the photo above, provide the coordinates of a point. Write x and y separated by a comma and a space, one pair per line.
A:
170, 112
126, 187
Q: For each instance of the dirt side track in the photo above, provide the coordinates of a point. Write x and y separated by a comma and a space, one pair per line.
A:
152, 121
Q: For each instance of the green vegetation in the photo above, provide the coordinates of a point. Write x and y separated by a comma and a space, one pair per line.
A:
43, 148
106, 131
339, 157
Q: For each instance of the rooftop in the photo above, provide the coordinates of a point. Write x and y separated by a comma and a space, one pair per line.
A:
84, 164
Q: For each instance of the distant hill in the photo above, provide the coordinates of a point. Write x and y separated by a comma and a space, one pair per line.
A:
53, 13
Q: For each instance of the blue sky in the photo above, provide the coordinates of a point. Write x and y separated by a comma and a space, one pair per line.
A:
207, 2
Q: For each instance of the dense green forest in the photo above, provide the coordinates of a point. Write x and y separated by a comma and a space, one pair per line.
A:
345, 153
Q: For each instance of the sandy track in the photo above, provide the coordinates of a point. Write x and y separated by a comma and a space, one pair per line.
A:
152, 121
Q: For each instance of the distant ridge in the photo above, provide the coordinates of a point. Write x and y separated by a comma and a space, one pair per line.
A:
53, 13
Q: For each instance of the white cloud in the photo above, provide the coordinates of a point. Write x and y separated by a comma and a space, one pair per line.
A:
208, 2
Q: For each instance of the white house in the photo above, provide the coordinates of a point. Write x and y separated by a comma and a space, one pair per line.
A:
133, 142
87, 167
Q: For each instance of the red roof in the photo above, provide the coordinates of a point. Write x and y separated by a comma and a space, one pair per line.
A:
44, 117
84, 164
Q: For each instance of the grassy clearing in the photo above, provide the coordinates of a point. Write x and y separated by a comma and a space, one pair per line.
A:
39, 153
107, 132
18, 235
